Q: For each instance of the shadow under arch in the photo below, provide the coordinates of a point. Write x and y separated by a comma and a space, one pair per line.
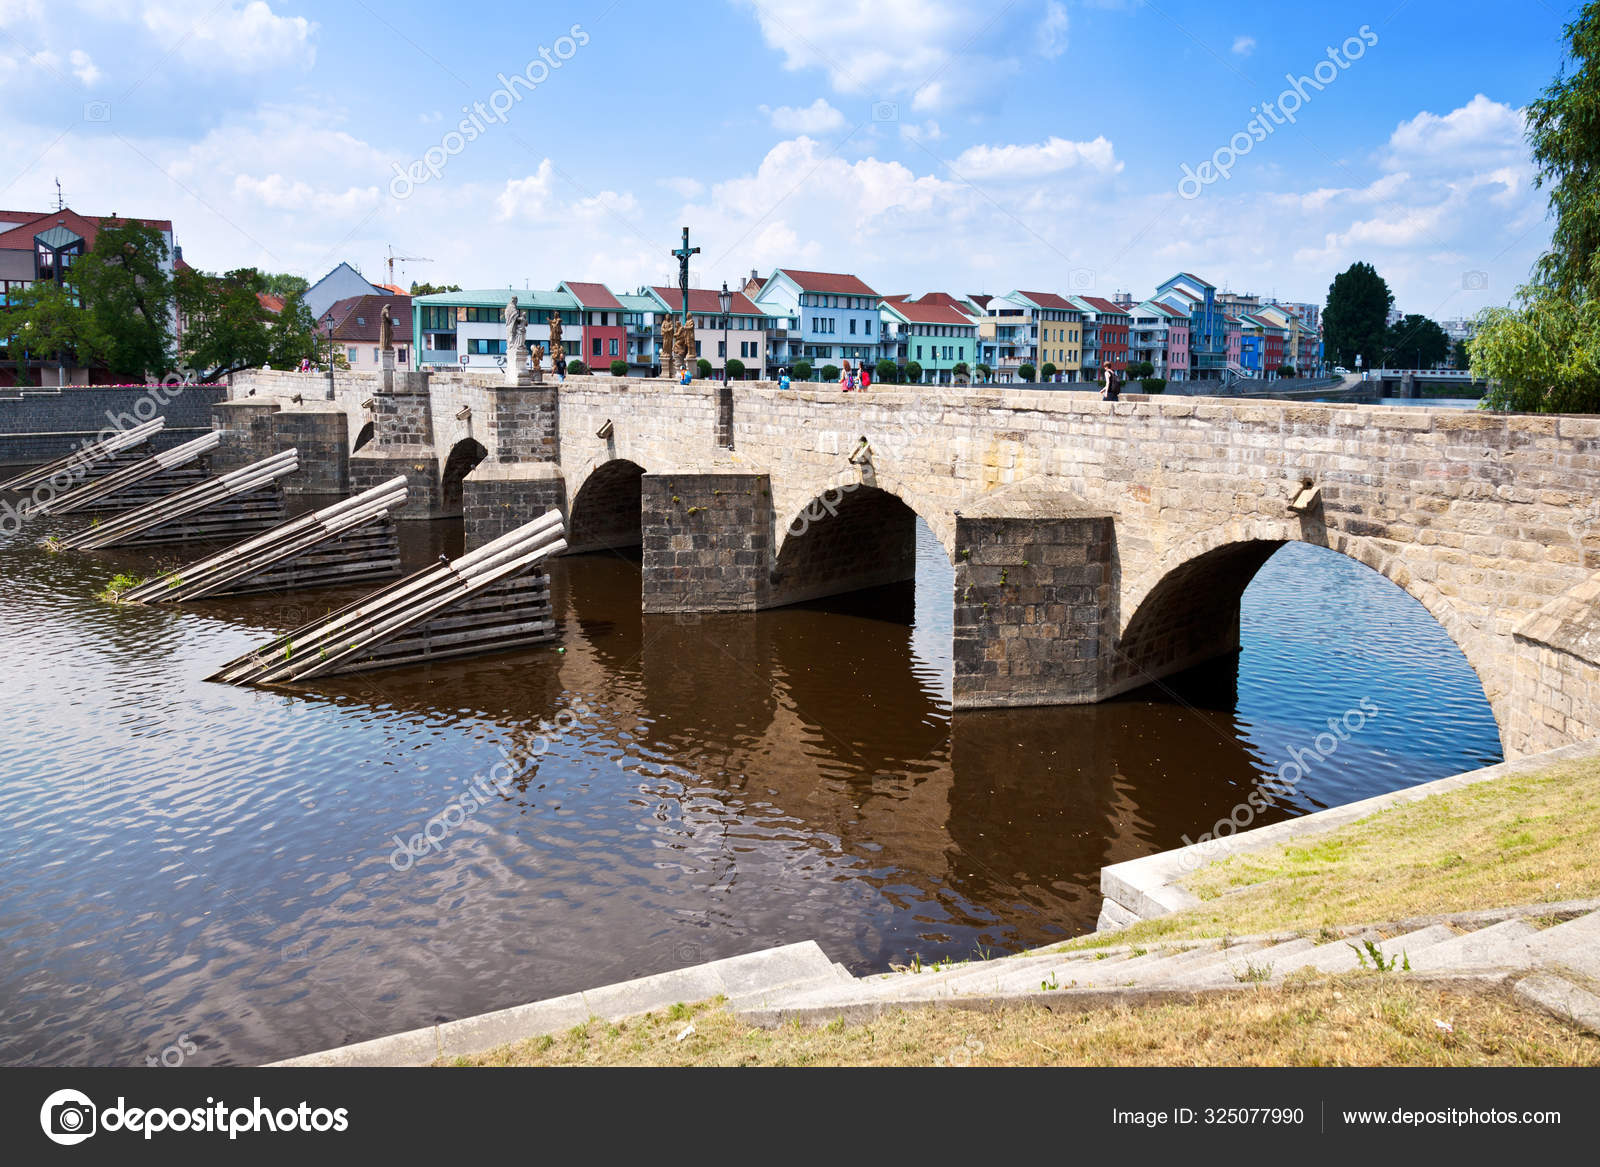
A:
464, 456
849, 538
605, 513
363, 436
1187, 610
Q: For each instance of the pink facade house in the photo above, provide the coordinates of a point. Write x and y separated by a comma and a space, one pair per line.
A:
1177, 354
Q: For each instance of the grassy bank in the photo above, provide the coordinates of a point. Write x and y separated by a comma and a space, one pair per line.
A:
1367, 1020
1524, 839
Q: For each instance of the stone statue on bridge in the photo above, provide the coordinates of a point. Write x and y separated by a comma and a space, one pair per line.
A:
516, 322
684, 335
558, 351
668, 351
386, 331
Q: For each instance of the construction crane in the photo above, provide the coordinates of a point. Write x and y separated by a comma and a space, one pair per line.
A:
403, 259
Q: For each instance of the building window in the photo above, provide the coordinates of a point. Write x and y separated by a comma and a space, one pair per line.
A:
613, 351
350, 354
852, 326
596, 349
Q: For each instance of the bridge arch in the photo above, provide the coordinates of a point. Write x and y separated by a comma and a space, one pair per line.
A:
464, 456
850, 537
604, 513
1186, 609
363, 436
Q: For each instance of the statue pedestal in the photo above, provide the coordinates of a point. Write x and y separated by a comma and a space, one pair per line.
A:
386, 369
524, 376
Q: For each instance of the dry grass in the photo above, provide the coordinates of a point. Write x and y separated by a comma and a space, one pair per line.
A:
1359, 1020
1527, 839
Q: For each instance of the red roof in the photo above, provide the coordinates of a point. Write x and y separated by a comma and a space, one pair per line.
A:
593, 296
822, 281
923, 312
1051, 300
359, 318
394, 290
703, 301
20, 238
981, 300
271, 303
1100, 304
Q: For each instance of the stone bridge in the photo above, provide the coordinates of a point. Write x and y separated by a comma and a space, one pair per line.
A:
1097, 547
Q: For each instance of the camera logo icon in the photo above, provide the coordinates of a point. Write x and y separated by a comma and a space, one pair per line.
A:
97, 111
68, 1117
1080, 279
1474, 281
885, 111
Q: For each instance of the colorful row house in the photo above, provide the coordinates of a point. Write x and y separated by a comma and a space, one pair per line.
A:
932, 332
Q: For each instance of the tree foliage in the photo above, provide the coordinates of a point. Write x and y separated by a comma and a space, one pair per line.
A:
802, 370
619, 368
432, 289
123, 283
1025, 373
735, 369
1564, 139
887, 371
43, 321
1542, 356
913, 373
1414, 342
226, 327
1356, 320
286, 285
1047, 371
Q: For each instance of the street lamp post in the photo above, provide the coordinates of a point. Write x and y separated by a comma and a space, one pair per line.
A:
725, 302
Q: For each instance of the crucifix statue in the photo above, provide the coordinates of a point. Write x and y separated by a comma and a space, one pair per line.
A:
683, 253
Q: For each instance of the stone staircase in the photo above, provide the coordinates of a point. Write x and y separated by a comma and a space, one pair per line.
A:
1556, 968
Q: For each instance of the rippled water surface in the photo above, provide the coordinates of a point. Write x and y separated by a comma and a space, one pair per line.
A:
187, 858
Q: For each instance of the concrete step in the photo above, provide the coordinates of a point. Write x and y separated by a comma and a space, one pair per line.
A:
1401, 949
1236, 962
1146, 971
1574, 945
747, 978
1562, 998
1503, 944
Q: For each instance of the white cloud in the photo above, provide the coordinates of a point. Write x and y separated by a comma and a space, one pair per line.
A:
525, 197
875, 48
684, 188
817, 118
83, 67
284, 194
1481, 134
1244, 45
1053, 30
1032, 161
249, 37
928, 131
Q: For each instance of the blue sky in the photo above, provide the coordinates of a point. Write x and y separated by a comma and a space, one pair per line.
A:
938, 144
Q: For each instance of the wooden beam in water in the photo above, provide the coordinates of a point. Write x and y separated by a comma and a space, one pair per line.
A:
81, 459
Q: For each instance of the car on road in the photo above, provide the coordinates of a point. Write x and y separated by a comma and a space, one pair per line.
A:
1341, 369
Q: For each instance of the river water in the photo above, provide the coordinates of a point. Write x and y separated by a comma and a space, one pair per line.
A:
208, 874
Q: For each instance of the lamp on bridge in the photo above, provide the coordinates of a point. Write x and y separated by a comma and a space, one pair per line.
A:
725, 302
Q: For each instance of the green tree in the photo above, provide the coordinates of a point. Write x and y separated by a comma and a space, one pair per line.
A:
619, 368
830, 373
1153, 384
703, 368
1414, 342
801, 371
913, 373
1140, 369
1047, 371
1356, 320
286, 285
984, 372
432, 289
1563, 128
1542, 356
44, 322
125, 288
961, 371
226, 328
1285, 370
577, 369
1025, 373
887, 371
1459, 357
735, 369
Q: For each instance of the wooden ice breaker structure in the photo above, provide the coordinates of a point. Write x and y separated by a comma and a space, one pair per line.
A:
243, 502
86, 461
353, 541
488, 600
139, 483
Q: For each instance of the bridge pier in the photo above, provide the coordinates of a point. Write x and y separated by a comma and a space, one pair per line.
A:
254, 429
707, 541
517, 471
402, 444
1033, 604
